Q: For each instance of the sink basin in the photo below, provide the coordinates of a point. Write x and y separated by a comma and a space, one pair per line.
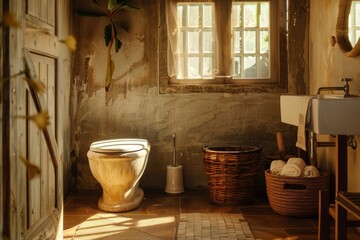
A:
324, 114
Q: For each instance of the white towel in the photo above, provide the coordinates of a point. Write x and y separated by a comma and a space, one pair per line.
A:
294, 167
276, 166
311, 171
297, 161
301, 133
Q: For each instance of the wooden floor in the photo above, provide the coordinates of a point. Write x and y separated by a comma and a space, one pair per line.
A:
81, 209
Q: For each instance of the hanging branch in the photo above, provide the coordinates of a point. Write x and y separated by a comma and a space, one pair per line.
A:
110, 30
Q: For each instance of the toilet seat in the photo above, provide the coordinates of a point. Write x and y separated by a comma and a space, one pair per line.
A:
121, 145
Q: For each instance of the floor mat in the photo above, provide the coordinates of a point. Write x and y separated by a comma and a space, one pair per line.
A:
213, 226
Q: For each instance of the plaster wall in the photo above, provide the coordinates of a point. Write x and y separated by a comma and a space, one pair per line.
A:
327, 66
134, 108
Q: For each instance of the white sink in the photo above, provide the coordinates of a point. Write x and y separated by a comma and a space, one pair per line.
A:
293, 105
326, 114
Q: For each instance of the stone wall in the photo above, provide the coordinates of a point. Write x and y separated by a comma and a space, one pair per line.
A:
134, 108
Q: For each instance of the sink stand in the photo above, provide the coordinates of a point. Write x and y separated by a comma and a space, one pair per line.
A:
344, 202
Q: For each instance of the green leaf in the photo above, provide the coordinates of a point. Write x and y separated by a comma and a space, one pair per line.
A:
110, 67
108, 34
91, 13
94, 1
127, 7
118, 44
114, 4
131, 8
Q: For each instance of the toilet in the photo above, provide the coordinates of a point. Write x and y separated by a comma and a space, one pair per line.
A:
118, 164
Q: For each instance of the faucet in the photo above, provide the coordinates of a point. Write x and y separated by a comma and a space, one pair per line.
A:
345, 88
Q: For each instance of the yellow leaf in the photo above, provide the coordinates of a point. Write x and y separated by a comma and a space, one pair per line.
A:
42, 119
39, 86
110, 67
70, 42
10, 20
32, 169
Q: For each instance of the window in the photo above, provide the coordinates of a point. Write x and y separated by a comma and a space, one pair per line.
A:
221, 45
195, 49
354, 22
251, 37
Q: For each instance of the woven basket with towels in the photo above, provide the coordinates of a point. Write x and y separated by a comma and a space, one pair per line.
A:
295, 196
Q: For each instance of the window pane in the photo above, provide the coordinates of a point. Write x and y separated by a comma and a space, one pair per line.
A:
207, 16
181, 18
207, 67
236, 15
354, 22
196, 41
264, 66
357, 13
237, 66
264, 14
193, 15
181, 46
264, 41
181, 68
249, 41
207, 42
237, 41
193, 41
194, 67
250, 15
250, 67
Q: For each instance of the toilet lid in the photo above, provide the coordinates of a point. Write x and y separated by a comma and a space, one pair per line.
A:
122, 145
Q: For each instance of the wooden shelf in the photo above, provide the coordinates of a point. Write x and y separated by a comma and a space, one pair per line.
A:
352, 220
350, 201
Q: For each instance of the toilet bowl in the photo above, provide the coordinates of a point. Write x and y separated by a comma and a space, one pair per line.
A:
118, 164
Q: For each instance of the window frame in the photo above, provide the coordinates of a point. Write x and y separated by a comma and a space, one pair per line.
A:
224, 82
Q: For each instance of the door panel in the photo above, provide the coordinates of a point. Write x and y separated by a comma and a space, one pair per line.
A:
34, 153
41, 190
41, 195
43, 10
33, 206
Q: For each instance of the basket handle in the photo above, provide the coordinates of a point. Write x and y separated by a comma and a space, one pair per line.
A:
295, 186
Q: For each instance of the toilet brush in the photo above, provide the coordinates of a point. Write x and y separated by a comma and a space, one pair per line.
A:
174, 174
174, 150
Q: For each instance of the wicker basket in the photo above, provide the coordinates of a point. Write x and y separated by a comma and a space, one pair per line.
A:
232, 173
295, 196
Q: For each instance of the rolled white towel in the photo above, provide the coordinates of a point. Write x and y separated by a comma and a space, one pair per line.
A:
298, 161
311, 171
293, 168
276, 166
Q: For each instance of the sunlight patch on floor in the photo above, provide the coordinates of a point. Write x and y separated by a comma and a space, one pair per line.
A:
117, 226
155, 221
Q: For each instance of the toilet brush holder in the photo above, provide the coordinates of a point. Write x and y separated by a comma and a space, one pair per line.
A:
174, 179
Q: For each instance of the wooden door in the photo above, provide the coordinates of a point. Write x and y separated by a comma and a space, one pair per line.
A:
35, 204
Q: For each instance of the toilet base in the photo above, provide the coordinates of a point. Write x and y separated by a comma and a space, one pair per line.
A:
124, 206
